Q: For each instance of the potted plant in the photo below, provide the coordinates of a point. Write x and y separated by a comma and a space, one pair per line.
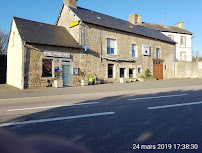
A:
146, 77
58, 83
82, 74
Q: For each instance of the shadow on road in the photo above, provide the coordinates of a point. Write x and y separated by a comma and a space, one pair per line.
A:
131, 124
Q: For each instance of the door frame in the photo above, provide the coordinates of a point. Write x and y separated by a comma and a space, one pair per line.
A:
69, 63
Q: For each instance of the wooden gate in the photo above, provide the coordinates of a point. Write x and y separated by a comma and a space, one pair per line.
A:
158, 68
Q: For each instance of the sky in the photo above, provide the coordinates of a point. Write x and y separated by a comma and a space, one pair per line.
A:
173, 11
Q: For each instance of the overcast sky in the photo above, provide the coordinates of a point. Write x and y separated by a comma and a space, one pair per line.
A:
173, 11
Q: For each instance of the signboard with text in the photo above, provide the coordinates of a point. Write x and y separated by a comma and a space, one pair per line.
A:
73, 24
60, 55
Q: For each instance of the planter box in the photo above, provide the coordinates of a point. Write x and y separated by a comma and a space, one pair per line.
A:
58, 83
123, 80
84, 82
146, 79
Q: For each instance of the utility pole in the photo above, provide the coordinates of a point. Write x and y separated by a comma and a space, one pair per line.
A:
162, 15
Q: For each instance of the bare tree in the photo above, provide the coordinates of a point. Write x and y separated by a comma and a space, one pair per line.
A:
3, 42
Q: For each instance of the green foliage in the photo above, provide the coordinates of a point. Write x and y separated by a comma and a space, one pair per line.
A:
147, 73
91, 78
58, 73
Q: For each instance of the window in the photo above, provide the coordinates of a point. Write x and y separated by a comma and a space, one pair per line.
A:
182, 56
131, 73
139, 70
183, 41
111, 46
13, 41
134, 50
47, 67
110, 70
122, 73
157, 53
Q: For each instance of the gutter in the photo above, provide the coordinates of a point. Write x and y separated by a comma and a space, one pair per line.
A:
100, 46
23, 64
174, 51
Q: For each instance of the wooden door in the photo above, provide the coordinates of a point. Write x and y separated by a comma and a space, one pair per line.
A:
158, 68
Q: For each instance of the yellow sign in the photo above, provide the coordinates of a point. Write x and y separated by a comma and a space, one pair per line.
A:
73, 24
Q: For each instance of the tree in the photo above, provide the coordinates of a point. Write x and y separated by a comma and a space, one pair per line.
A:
3, 42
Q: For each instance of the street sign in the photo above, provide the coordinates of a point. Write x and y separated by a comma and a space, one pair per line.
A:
85, 48
73, 24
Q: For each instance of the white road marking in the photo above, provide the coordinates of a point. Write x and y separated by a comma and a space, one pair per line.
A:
56, 119
23, 109
175, 105
159, 97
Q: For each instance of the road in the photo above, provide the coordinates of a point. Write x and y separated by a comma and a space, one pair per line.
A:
112, 122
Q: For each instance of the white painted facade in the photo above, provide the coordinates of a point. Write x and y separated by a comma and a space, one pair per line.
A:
183, 52
14, 58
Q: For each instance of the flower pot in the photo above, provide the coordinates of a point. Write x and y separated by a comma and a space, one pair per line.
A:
58, 83
84, 82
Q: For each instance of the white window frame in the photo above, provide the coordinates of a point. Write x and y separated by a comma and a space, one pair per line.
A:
185, 57
111, 44
183, 43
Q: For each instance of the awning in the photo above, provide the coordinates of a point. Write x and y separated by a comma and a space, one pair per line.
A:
118, 59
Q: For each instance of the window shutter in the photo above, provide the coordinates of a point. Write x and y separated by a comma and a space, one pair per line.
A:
112, 43
108, 43
134, 47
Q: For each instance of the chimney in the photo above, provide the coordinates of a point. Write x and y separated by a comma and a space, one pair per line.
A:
71, 3
180, 25
135, 19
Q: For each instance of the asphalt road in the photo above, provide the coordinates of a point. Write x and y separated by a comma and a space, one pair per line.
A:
113, 123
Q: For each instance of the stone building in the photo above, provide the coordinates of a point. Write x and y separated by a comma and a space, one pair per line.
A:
103, 46
35, 50
117, 48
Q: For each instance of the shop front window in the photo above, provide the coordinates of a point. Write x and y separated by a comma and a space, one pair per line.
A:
122, 73
110, 70
47, 67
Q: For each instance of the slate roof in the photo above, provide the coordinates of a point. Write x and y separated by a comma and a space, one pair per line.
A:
111, 22
42, 33
166, 28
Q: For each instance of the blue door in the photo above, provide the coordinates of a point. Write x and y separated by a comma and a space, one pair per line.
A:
66, 75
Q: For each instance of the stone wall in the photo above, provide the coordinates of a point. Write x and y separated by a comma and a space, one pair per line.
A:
187, 70
33, 64
95, 38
